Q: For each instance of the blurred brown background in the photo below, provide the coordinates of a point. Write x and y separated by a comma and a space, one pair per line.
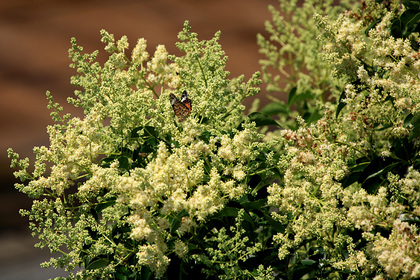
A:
35, 38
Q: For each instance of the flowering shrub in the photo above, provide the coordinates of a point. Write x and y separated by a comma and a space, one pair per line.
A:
131, 192
348, 200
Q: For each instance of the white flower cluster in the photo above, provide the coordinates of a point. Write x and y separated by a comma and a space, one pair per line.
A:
179, 180
161, 72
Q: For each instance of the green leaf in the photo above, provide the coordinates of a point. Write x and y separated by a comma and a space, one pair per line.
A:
150, 145
275, 225
120, 229
175, 222
403, 149
119, 276
262, 119
233, 212
408, 22
355, 171
341, 104
415, 122
123, 162
292, 94
407, 120
294, 98
308, 262
383, 171
205, 136
101, 206
98, 263
151, 131
135, 132
371, 26
147, 132
410, 19
312, 117
275, 108
372, 176
350, 179
411, 4
359, 166
257, 204
106, 162
396, 28
258, 187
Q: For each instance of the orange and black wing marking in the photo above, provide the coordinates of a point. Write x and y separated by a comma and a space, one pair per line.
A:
182, 108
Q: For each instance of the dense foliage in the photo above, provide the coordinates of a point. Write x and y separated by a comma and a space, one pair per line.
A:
331, 190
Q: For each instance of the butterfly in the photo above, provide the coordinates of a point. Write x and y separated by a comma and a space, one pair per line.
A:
182, 108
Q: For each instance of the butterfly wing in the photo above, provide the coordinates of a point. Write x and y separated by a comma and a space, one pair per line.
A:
186, 101
182, 109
